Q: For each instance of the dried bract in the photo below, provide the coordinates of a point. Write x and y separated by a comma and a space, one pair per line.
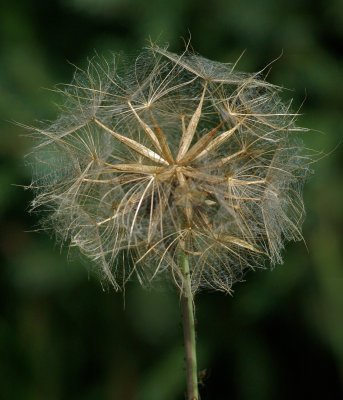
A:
172, 154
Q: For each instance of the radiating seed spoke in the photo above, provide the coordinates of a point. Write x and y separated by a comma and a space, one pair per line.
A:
187, 137
137, 147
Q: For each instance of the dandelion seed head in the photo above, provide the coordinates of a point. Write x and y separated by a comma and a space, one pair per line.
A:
171, 154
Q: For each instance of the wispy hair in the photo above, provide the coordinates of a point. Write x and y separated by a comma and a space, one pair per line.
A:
169, 154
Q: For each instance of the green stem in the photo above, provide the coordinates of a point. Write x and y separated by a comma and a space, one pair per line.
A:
189, 331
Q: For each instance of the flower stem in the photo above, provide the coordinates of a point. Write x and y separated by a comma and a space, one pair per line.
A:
189, 331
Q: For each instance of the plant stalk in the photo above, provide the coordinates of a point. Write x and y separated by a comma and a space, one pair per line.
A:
189, 332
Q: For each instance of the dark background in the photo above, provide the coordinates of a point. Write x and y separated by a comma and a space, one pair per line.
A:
281, 335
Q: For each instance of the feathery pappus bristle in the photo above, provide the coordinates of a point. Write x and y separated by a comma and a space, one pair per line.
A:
172, 154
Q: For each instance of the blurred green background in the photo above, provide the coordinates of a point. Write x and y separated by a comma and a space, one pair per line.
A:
281, 335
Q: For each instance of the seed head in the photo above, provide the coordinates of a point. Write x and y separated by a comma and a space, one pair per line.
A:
172, 154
